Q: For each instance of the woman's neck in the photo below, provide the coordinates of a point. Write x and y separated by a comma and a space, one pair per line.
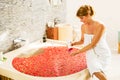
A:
90, 21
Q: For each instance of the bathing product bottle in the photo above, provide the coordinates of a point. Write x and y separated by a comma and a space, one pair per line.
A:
44, 39
69, 44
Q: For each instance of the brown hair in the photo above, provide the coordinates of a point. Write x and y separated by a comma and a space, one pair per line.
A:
84, 10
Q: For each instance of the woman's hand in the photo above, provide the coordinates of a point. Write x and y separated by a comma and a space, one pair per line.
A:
72, 44
74, 53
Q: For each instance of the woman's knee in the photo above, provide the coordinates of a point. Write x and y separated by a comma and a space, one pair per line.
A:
100, 75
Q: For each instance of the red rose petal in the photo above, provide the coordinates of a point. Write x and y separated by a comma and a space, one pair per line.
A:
55, 61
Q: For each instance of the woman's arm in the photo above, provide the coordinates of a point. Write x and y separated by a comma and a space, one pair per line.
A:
81, 41
96, 38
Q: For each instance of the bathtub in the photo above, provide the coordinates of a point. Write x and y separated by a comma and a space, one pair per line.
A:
7, 69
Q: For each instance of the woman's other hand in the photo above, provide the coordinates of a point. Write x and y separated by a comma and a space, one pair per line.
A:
74, 53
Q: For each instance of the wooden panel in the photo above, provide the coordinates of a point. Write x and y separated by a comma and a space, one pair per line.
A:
118, 41
4, 78
119, 47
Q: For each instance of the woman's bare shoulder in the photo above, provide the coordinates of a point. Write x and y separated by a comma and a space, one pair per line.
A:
100, 25
83, 27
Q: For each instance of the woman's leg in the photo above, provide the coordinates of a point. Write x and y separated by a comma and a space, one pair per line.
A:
100, 75
87, 77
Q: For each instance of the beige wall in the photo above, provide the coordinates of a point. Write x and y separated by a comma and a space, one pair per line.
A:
106, 11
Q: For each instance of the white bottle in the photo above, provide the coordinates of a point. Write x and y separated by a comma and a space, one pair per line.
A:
69, 44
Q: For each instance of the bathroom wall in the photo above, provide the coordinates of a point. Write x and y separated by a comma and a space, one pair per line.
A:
26, 19
106, 11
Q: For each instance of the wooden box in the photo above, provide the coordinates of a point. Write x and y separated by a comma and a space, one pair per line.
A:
52, 32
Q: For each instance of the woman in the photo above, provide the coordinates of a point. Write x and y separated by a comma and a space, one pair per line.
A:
93, 36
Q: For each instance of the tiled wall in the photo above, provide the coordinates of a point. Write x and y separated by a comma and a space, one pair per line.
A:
26, 19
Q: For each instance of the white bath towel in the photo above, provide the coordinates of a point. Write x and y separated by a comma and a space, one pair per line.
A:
98, 57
